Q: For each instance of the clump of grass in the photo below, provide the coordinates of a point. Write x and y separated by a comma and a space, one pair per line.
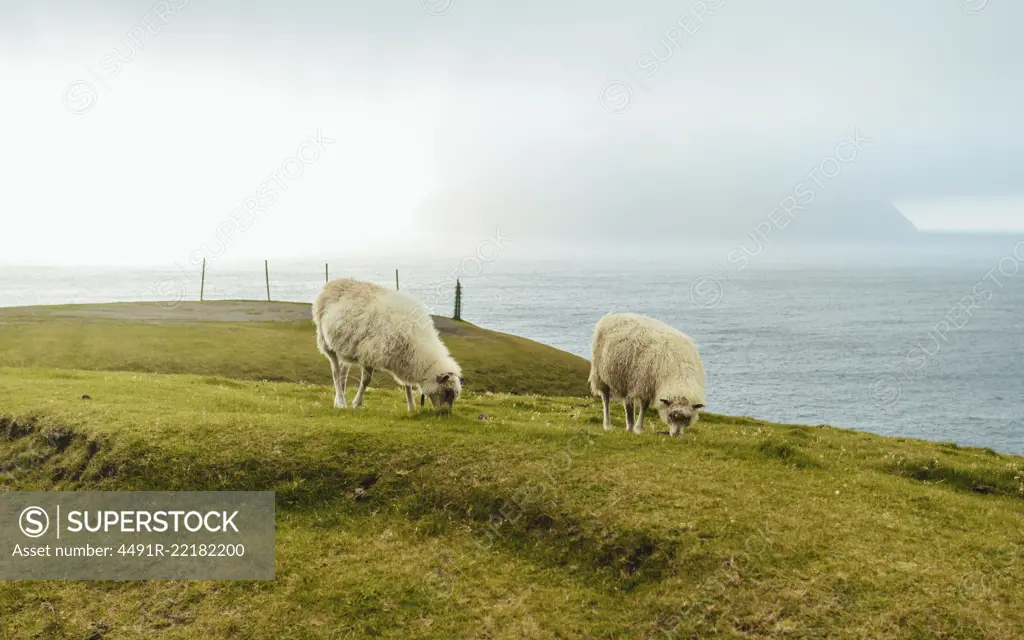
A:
789, 454
974, 479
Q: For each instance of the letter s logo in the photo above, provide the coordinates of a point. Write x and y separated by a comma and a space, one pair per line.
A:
34, 522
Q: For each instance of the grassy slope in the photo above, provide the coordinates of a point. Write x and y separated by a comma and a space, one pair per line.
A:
517, 517
532, 523
277, 351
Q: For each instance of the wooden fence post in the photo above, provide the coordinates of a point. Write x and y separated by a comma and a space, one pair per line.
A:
202, 282
396, 279
266, 269
458, 300
327, 277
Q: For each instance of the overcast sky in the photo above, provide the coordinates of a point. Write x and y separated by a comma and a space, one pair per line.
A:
138, 131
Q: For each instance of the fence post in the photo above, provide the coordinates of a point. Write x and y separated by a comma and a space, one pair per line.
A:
458, 300
396, 279
327, 277
202, 282
266, 269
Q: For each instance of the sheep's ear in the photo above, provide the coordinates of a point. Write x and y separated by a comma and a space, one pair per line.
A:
444, 378
666, 402
698, 406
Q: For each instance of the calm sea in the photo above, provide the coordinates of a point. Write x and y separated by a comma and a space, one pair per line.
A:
929, 349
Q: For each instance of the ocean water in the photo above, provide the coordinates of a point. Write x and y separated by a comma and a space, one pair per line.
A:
929, 349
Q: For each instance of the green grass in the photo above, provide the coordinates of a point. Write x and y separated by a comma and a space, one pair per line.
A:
277, 351
531, 523
515, 517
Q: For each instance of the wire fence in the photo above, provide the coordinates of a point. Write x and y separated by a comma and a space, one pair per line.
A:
267, 282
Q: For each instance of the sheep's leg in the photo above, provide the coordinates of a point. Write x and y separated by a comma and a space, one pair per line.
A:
628, 404
606, 402
339, 373
638, 428
344, 379
408, 398
364, 381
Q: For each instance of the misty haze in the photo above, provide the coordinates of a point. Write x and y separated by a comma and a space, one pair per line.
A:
726, 306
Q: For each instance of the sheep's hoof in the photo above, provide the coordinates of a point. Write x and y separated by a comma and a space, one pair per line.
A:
607, 426
340, 404
638, 432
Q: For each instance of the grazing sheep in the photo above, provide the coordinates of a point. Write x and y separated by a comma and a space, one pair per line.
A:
641, 360
376, 328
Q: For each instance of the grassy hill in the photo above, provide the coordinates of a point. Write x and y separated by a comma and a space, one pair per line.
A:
256, 341
516, 517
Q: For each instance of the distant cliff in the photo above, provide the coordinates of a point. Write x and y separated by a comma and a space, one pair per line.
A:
852, 220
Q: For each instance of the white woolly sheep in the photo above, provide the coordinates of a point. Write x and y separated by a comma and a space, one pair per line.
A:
641, 360
376, 328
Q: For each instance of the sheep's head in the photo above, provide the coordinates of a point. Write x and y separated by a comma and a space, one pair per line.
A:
443, 390
678, 413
